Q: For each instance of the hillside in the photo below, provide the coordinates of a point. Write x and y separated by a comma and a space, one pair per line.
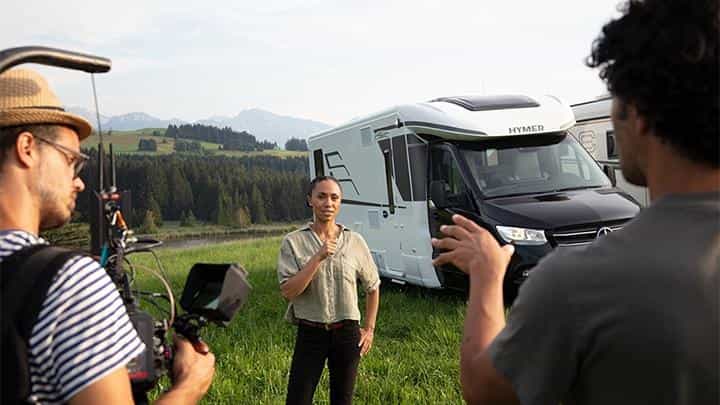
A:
264, 125
126, 142
268, 126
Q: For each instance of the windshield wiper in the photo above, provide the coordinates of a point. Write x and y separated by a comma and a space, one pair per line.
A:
541, 192
574, 188
517, 194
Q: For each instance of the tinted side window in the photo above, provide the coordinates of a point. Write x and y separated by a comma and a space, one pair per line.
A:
319, 164
417, 152
400, 162
446, 169
387, 159
611, 149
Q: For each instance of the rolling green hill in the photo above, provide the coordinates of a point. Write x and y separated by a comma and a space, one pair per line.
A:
127, 142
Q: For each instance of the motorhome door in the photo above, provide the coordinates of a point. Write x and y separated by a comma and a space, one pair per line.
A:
402, 217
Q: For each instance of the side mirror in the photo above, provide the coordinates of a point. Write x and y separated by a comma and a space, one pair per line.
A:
438, 193
610, 173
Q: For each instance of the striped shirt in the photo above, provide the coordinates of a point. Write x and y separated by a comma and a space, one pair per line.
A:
83, 331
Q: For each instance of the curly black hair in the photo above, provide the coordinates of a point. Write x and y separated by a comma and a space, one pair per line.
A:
662, 57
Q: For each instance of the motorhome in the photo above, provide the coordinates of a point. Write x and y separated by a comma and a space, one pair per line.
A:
594, 130
506, 162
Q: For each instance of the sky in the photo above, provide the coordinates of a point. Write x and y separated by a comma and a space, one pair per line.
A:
328, 61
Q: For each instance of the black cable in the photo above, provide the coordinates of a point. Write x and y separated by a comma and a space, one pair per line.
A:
154, 304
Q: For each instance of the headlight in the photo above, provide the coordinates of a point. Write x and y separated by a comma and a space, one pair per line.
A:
522, 236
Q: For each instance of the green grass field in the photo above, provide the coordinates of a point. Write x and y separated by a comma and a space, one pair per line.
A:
127, 142
414, 359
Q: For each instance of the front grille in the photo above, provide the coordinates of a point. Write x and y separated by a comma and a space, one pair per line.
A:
582, 234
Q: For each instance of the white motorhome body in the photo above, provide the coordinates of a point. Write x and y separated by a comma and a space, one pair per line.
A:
594, 130
405, 170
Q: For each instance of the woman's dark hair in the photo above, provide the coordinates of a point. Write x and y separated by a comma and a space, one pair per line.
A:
317, 180
662, 57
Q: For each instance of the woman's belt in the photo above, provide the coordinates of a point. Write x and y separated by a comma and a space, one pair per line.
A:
328, 326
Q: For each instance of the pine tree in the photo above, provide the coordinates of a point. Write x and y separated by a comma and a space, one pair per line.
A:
148, 224
187, 218
154, 207
180, 192
242, 218
223, 213
191, 220
257, 206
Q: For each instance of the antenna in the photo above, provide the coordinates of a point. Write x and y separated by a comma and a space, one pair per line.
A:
101, 151
113, 183
98, 226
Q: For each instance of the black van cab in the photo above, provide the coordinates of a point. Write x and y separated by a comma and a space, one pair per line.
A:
540, 192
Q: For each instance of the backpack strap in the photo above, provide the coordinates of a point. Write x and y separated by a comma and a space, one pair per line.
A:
25, 277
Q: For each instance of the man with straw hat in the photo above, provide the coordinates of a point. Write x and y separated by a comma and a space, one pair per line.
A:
82, 339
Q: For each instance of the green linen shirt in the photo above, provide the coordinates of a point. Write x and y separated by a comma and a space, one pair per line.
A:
331, 296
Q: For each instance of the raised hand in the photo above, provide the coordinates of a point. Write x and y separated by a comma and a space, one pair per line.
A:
472, 249
328, 249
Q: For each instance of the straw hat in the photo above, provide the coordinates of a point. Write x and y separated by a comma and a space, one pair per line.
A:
26, 99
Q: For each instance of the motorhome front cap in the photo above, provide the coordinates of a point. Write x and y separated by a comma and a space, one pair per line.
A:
473, 116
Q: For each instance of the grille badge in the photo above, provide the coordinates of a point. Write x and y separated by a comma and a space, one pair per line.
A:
603, 231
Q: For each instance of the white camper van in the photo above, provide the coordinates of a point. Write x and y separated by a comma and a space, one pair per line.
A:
594, 130
507, 162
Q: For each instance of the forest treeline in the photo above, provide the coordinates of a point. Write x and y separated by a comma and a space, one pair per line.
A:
297, 144
233, 191
226, 137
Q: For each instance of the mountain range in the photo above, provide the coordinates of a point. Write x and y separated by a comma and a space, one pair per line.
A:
264, 125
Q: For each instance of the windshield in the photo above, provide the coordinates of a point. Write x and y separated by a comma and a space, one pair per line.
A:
531, 164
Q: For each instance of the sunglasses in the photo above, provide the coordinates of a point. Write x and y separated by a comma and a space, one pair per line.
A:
76, 160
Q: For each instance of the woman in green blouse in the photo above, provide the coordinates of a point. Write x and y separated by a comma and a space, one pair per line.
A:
319, 266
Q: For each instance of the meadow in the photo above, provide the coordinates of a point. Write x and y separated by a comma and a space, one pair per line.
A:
127, 142
414, 359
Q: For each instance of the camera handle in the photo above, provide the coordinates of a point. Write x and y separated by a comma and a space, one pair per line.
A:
189, 325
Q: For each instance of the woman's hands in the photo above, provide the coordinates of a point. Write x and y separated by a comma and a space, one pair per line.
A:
327, 249
366, 340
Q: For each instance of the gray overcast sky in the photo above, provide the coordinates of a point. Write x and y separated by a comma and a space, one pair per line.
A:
324, 60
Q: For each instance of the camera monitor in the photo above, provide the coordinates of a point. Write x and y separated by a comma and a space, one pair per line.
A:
215, 291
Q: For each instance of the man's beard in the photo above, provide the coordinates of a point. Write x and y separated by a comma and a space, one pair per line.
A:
632, 173
52, 212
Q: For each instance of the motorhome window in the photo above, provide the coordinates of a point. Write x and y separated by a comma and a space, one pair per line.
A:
528, 165
571, 164
400, 163
534, 164
611, 150
491, 157
568, 162
319, 164
387, 158
413, 139
388, 181
417, 153
445, 168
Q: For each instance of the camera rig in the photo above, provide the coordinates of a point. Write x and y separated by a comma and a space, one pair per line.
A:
213, 293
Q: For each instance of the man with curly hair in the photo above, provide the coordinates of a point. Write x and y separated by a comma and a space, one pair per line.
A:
632, 318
